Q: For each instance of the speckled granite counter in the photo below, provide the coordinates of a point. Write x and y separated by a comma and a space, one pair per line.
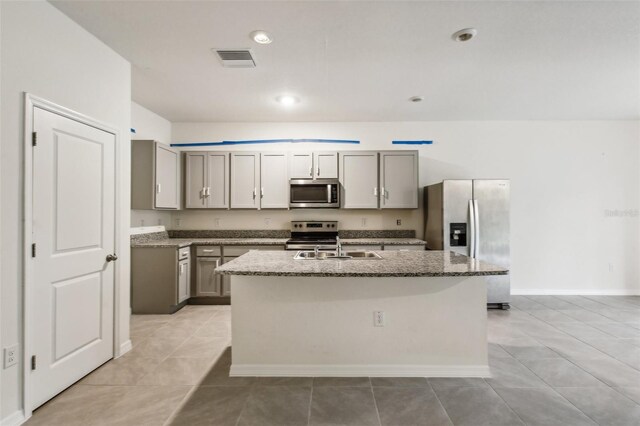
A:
251, 238
392, 264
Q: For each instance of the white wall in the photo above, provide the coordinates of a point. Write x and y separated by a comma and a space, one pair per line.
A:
565, 177
48, 55
149, 125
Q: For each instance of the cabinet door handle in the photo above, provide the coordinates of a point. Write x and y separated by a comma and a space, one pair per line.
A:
254, 193
204, 192
375, 191
261, 192
208, 191
158, 188
311, 171
318, 172
383, 192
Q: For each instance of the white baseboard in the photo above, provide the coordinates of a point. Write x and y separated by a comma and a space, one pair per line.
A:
570, 292
15, 419
125, 347
383, 370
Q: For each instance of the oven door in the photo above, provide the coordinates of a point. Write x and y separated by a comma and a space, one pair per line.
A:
320, 193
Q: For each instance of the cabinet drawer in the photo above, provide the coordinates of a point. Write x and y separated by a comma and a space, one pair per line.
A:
208, 251
183, 253
234, 251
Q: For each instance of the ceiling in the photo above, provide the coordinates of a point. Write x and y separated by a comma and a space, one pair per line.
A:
362, 61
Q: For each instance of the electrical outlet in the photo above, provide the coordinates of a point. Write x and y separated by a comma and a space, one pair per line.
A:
364, 221
141, 222
399, 222
216, 221
178, 222
267, 221
378, 318
159, 222
10, 356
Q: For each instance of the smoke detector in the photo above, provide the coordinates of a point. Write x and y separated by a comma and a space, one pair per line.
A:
464, 35
236, 58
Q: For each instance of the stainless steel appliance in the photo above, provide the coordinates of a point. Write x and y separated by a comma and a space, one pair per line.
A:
306, 235
471, 217
319, 193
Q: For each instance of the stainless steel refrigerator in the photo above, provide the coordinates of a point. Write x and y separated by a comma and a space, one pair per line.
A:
471, 217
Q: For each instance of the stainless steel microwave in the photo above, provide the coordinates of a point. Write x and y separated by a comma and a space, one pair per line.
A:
313, 194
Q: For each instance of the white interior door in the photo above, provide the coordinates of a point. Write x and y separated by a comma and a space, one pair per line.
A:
72, 292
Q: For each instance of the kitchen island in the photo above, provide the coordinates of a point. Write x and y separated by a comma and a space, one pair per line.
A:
410, 313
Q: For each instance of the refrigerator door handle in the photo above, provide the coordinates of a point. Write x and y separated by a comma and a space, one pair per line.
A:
477, 226
472, 226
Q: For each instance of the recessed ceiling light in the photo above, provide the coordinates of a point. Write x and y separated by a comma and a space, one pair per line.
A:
261, 37
416, 99
287, 100
464, 35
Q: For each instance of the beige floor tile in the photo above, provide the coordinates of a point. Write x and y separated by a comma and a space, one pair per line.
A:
178, 371
122, 371
200, 347
145, 406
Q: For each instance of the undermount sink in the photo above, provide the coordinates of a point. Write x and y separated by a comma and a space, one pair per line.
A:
363, 255
323, 255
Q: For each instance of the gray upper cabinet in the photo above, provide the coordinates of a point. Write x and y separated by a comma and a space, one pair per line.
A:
399, 180
154, 176
274, 180
245, 180
359, 179
326, 165
207, 180
314, 165
301, 165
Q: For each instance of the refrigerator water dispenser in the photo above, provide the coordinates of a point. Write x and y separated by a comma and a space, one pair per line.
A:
458, 234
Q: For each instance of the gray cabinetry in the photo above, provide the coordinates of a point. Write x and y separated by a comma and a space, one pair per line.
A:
274, 180
207, 180
232, 252
359, 179
159, 279
399, 180
154, 176
301, 165
314, 165
245, 180
208, 283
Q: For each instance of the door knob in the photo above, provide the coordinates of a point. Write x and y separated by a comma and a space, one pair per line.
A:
112, 257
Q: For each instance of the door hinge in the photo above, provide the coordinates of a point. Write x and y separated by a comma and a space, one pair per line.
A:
34, 138
33, 250
33, 362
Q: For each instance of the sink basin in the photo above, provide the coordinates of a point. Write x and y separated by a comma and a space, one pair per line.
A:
363, 255
306, 255
323, 255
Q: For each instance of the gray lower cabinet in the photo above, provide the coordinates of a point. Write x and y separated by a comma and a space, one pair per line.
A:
208, 283
160, 279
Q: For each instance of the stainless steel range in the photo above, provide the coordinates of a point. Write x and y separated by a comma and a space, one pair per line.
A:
306, 235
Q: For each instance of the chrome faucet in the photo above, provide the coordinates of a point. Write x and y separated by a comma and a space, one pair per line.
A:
339, 251
316, 250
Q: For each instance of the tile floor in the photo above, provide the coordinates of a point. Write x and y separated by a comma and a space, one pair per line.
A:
568, 360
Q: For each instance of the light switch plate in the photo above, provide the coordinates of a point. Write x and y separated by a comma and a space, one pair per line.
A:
10, 356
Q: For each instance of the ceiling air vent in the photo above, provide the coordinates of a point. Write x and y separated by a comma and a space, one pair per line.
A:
238, 58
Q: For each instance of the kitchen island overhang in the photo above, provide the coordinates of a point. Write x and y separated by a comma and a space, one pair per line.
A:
316, 317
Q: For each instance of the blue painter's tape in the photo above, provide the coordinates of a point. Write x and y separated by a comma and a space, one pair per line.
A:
412, 142
133, 130
262, 141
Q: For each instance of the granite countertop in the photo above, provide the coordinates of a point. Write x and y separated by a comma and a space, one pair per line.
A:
383, 241
186, 242
392, 264
179, 239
